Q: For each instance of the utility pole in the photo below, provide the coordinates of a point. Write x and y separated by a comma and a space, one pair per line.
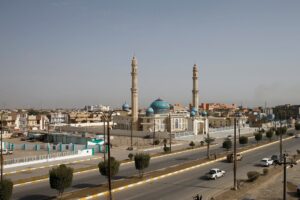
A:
280, 143
108, 164
104, 140
234, 157
154, 133
170, 133
284, 177
1, 148
131, 146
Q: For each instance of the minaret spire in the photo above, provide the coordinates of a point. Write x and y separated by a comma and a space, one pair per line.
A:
134, 93
195, 88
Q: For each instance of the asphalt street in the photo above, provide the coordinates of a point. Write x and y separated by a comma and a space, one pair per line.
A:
42, 190
185, 185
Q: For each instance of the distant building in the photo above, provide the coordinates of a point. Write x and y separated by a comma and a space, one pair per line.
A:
286, 111
59, 118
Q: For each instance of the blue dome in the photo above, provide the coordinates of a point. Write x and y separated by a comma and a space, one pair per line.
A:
194, 109
160, 106
149, 111
193, 113
204, 113
125, 107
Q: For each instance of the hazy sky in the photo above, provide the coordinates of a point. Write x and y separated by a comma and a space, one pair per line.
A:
69, 53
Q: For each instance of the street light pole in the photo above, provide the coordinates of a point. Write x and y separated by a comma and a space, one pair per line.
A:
234, 157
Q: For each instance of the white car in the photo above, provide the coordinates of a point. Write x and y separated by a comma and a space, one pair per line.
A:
266, 162
215, 173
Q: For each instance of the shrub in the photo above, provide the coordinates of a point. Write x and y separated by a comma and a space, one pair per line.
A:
243, 140
265, 171
165, 141
227, 144
258, 137
147, 137
252, 175
297, 126
6, 189
269, 134
114, 167
141, 161
167, 149
60, 178
130, 156
192, 144
201, 143
281, 131
156, 142
290, 134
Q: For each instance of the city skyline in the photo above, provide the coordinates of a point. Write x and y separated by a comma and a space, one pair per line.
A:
76, 53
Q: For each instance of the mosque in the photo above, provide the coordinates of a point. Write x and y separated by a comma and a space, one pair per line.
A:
161, 116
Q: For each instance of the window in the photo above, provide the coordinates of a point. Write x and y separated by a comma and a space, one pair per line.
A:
176, 123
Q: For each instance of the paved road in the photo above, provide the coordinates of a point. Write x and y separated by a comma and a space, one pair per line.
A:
42, 191
187, 184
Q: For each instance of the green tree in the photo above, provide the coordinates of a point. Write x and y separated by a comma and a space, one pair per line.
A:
192, 144
130, 156
281, 131
243, 140
141, 161
208, 141
114, 167
60, 178
6, 189
258, 137
269, 134
227, 144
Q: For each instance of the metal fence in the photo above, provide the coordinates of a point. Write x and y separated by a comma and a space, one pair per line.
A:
39, 157
183, 134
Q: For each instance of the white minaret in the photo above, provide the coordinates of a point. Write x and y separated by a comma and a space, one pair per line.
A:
134, 94
195, 87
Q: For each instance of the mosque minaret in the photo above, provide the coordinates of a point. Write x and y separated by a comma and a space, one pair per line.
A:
195, 102
134, 94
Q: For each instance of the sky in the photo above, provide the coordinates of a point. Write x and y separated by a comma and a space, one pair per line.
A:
71, 53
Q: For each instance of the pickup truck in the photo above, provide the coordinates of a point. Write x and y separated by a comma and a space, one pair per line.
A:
6, 151
266, 162
215, 173
230, 157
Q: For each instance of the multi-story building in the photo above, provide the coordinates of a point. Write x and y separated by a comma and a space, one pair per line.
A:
286, 111
59, 118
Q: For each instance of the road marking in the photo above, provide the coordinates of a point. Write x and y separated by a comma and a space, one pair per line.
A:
176, 172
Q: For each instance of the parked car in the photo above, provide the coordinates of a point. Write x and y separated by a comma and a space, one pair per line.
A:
230, 157
215, 173
266, 162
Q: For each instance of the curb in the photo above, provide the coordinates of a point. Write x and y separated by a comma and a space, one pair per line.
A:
176, 172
